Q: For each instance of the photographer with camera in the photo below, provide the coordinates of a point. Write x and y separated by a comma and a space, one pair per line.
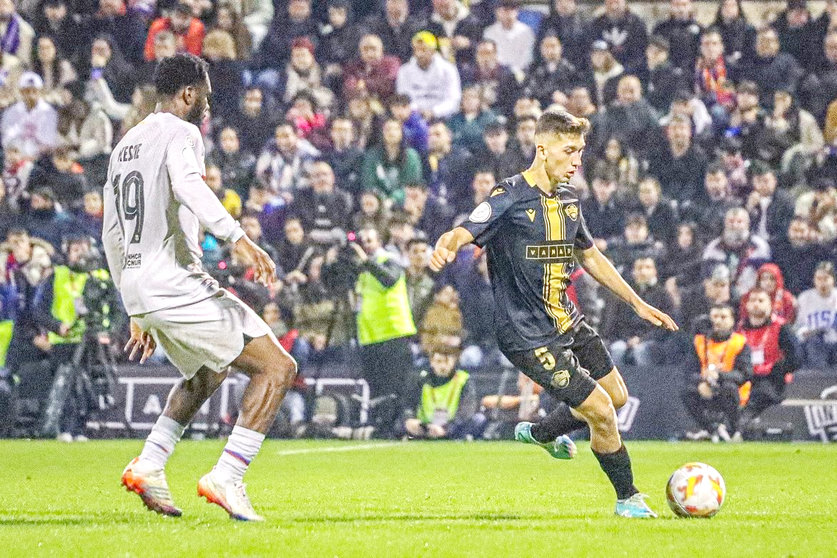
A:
384, 320
79, 308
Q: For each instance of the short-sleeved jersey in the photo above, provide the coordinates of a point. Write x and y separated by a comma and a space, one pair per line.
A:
530, 240
155, 202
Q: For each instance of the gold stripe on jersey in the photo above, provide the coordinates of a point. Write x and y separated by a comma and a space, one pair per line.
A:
555, 274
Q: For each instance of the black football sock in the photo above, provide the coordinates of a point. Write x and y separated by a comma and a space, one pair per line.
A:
617, 467
558, 422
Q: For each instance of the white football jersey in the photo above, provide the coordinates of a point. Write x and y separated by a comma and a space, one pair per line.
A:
155, 202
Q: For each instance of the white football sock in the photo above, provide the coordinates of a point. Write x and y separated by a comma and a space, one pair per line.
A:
242, 446
160, 443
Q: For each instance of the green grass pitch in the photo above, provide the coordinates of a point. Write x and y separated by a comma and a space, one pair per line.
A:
416, 499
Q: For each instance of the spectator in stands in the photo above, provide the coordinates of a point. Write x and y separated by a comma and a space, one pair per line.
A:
16, 170
56, 21
719, 364
738, 249
414, 124
798, 254
17, 34
344, 157
819, 207
771, 69
114, 19
442, 323
89, 219
523, 148
572, 29
797, 35
286, 162
189, 31
737, 34
270, 207
694, 302
228, 197
495, 156
303, 73
680, 165
86, 128
228, 19
106, 62
293, 249
498, 84
624, 32
633, 342
606, 72
255, 121
426, 212
715, 74
771, 281
708, 210
225, 73
372, 72
339, 39
630, 119
551, 73
664, 78
514, 39
325, 208
791, 137
55, 171
450, 168
420, 284
816, 322
165, 45
238, 167
684, 259
468, 124
773, 352
396, 28
683, 32
444, 401
604, 216
431, 82
372, 212
635, 242
456, 28
658, 211
30, 124
770, 209
389, 167
310, 120
55, 70
296, 23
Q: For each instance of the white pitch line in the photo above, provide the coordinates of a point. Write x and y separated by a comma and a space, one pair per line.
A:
332, 449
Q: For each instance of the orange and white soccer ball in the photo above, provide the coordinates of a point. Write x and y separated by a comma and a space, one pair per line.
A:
696, 490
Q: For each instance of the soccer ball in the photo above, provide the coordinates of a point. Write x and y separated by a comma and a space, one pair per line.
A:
696, 490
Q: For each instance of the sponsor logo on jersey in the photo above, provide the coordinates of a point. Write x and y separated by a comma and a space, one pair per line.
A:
133, 261
560, 379
550, 253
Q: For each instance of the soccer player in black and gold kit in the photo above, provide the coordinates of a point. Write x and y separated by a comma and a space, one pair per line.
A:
534, 233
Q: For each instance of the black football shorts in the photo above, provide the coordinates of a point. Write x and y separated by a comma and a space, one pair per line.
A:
568, 372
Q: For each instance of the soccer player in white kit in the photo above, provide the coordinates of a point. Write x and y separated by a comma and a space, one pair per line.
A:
156, 200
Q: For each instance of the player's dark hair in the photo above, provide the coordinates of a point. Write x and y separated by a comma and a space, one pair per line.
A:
559, 121
179, 71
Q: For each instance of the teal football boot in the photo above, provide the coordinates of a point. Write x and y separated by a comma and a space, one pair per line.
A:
560, 448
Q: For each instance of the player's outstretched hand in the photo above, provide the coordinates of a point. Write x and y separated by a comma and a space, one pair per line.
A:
140, 343
656, 317
265, 268
442, 254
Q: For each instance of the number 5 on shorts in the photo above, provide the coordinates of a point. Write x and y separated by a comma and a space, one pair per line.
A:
545, 358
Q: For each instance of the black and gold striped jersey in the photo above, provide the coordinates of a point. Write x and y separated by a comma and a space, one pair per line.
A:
530, 239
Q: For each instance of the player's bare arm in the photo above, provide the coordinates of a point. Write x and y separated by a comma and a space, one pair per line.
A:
447, 246
600, 268
265, 268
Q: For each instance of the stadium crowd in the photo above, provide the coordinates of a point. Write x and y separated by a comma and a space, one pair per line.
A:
347, 136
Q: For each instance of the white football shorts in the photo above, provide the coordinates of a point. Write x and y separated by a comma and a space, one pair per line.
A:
208, 333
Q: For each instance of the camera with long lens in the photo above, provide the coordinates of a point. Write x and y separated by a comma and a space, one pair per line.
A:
342, 274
